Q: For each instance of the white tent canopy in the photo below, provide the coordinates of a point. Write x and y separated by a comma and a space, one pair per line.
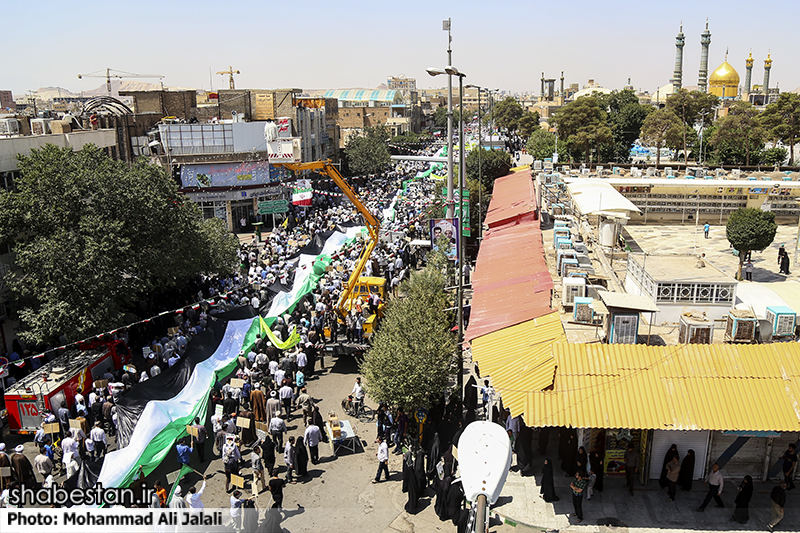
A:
593, 196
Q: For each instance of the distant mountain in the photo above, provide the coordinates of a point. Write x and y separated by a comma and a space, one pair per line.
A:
48, 93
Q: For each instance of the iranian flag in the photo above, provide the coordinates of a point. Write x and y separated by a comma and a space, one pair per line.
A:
302, 192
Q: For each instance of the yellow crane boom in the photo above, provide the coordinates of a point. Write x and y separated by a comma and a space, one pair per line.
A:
230, 72
373, 226
118, 74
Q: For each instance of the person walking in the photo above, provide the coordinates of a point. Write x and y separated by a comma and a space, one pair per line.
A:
673, 470
748, 270
687, 471
778, 497
193, 499
358, 396
230, 459
288, 459
383, 460
200, 439
631, 467
258, 468
715, 483
276, 486
548, 490
706, 229
306, 403
277, 427
742, 512
578, 485
99, 440
789, 463
268, 454
312, 437
184, 452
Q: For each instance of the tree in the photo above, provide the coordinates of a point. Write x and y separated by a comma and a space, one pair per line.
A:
477, 192
91, 236
625, 117
583, 124
741, 128
528, 123
368, 154
773, 156
661, 128
689, 106
493, 164
440, 117
507, 113
542, 144
782, 120
411, 360
750, 229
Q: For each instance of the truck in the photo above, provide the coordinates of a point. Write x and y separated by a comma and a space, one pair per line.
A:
71, 372
356, 286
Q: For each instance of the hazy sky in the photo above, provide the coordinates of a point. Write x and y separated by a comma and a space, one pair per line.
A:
355, 43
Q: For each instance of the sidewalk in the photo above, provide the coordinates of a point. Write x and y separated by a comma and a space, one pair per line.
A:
647, 511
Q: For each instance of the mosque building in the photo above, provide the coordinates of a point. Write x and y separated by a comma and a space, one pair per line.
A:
723, 82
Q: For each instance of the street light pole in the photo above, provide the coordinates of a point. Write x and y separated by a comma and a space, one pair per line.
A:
450, 208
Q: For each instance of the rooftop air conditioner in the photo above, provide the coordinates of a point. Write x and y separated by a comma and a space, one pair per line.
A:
570, 288
740, 326
782, 319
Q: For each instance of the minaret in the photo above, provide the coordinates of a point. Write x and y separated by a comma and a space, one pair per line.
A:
561, 94
767, 68
748, 78
705, 40
678, 74
541, 96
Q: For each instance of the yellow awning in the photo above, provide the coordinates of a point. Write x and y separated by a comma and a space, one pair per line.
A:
685, 387
520, 357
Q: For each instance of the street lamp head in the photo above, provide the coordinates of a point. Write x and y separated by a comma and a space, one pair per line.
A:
471, 86
433, 71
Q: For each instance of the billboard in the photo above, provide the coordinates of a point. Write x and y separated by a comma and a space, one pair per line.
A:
229, 175
448, 228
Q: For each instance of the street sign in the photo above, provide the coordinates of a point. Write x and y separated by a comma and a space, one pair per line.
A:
270, 207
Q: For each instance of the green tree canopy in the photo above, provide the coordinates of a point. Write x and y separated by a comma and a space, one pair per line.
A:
440, 117
583, 124
691, 107
781, 119
411, 360
507, 114
625, 117
750, 229
92, 235
528, 123
662, 128
740, 129
493, 164
368, 154
542, 144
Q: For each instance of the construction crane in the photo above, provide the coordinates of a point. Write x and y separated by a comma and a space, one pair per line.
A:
230, 72
113, 73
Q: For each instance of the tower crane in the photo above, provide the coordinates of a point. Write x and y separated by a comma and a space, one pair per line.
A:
230, 72
113, 73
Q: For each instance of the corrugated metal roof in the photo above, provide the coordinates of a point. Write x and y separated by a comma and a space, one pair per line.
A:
511, 283
513, 197
686, 387
520, 354
360, 95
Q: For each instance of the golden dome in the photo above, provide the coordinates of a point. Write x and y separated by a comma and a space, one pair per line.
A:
724, 82
724, 75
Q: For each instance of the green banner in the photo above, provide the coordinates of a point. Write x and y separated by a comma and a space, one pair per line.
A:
466, 230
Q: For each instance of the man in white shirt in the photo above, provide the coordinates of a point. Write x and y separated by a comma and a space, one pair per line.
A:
174, 358
383, 460
193, 500
358, 395
287, 397
312, 436
715, 484
99, 439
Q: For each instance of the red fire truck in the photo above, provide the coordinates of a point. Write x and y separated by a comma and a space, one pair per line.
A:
71, 372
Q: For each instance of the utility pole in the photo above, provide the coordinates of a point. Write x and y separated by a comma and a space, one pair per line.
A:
450, 208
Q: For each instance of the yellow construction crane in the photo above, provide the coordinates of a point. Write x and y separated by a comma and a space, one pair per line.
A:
230, 72
112, 73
